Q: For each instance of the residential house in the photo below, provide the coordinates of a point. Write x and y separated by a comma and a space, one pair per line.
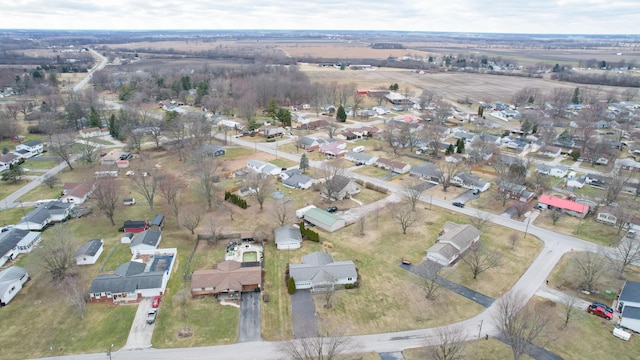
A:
319, 272
89, 252
308, 143
58, 211
457, 238
428, 172
550, 151
468, 137
629, 306
334, 149
362, 158
614, 216
135, 226
288, 238
317, 124
272, 132
256, 165
7, 160
145, 240
35, 220
568, 206
576, 182
341, 187
515, 191
558, 171
469, 181
394, 166
11, 281
76, 193
228, 280
112, 157
364, 131
270, 169
298, 181
284, 175
629, 164
595, 180
134, 280
93, 132
29, 149
213, 150
324, 220
16, 241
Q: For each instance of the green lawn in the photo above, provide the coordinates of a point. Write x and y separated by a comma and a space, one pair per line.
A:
12, 216
37, 164
372, 171
42, 191
589, 229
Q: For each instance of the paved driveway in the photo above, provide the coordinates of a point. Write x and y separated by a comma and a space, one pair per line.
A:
141, 332
465, 196
249, 328
304, 315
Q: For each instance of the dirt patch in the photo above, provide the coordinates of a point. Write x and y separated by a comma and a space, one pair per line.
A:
185, 333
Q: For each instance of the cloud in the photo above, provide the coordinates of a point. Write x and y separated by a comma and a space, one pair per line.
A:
543, 16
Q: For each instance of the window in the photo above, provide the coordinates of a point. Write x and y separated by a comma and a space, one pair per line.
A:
349, 279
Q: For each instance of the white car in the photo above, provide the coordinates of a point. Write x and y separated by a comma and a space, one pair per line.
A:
130, 173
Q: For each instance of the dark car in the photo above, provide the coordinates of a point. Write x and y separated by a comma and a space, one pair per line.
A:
595, 303
600, 311
458, 204
332, 209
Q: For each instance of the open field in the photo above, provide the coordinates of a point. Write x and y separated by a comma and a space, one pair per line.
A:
453, 86
588, 229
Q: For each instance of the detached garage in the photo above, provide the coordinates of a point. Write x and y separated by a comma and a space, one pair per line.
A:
629, 306
324, 220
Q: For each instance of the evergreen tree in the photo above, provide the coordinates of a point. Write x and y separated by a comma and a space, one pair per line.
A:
114, 127
341, 115
94, 118
284, 116
480, 110
460, 146
272, 108
576, 96
450, 149
304, 163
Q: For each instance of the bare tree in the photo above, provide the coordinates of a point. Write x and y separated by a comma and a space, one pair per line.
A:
627, 252
172, 188
191, 218
181, 299
448, 344
106, 196
88, 151
362, 225
156, 130
481, 219
615, 184
262, 186
442, 112
513, 238
591, 267
176, 129
134, 139
519, 325
555, 215
328, 295
316, 348
282, 212
569, 302
215, 229
50, 181
479, 260
61, 144
332, 172
208, 174
412, 192
73, 289
405, 216
145, 184
55, 255
447, 171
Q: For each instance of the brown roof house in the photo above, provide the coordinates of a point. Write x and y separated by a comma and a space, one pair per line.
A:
228, 280
340, 187
457, 238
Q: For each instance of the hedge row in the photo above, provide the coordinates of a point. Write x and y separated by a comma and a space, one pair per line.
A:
308, 233
372, 186
235, 199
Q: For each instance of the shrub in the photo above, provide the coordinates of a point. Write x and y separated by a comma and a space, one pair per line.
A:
291, 286
348, 286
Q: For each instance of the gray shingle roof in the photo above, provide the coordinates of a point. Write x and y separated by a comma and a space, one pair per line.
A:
313, 273
630, 292
296, 179
114, 283
9, 239
317, 258
90, 248
148, 237
287, 233
10, 275
38, 216
358, 156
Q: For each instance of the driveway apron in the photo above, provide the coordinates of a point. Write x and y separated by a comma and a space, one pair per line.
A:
304, 318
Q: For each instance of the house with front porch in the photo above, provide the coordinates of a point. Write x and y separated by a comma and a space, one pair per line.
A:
319, 272
228, 280
29, 149
469, 181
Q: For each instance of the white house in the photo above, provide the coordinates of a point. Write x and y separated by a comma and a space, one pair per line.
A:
35, 220
457, 238
298, 181
29, 149
558, 171
576, 182
469, 181
93, 132
11, 281
550, 151
76, 193
319, 272
288, 238
7, 160
392, 165
629, 306
363, 158
146, 240
89, 252
340, 187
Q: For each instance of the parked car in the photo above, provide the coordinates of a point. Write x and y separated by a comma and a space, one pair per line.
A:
600, 311
332, 209
156, 301
310, 150
151, 316
595, 303
458, 204
126, 156
128, 201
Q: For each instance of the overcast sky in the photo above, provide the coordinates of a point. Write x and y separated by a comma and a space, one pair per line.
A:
533, 16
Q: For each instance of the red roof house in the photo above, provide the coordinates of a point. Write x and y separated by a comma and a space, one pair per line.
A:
568, 206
